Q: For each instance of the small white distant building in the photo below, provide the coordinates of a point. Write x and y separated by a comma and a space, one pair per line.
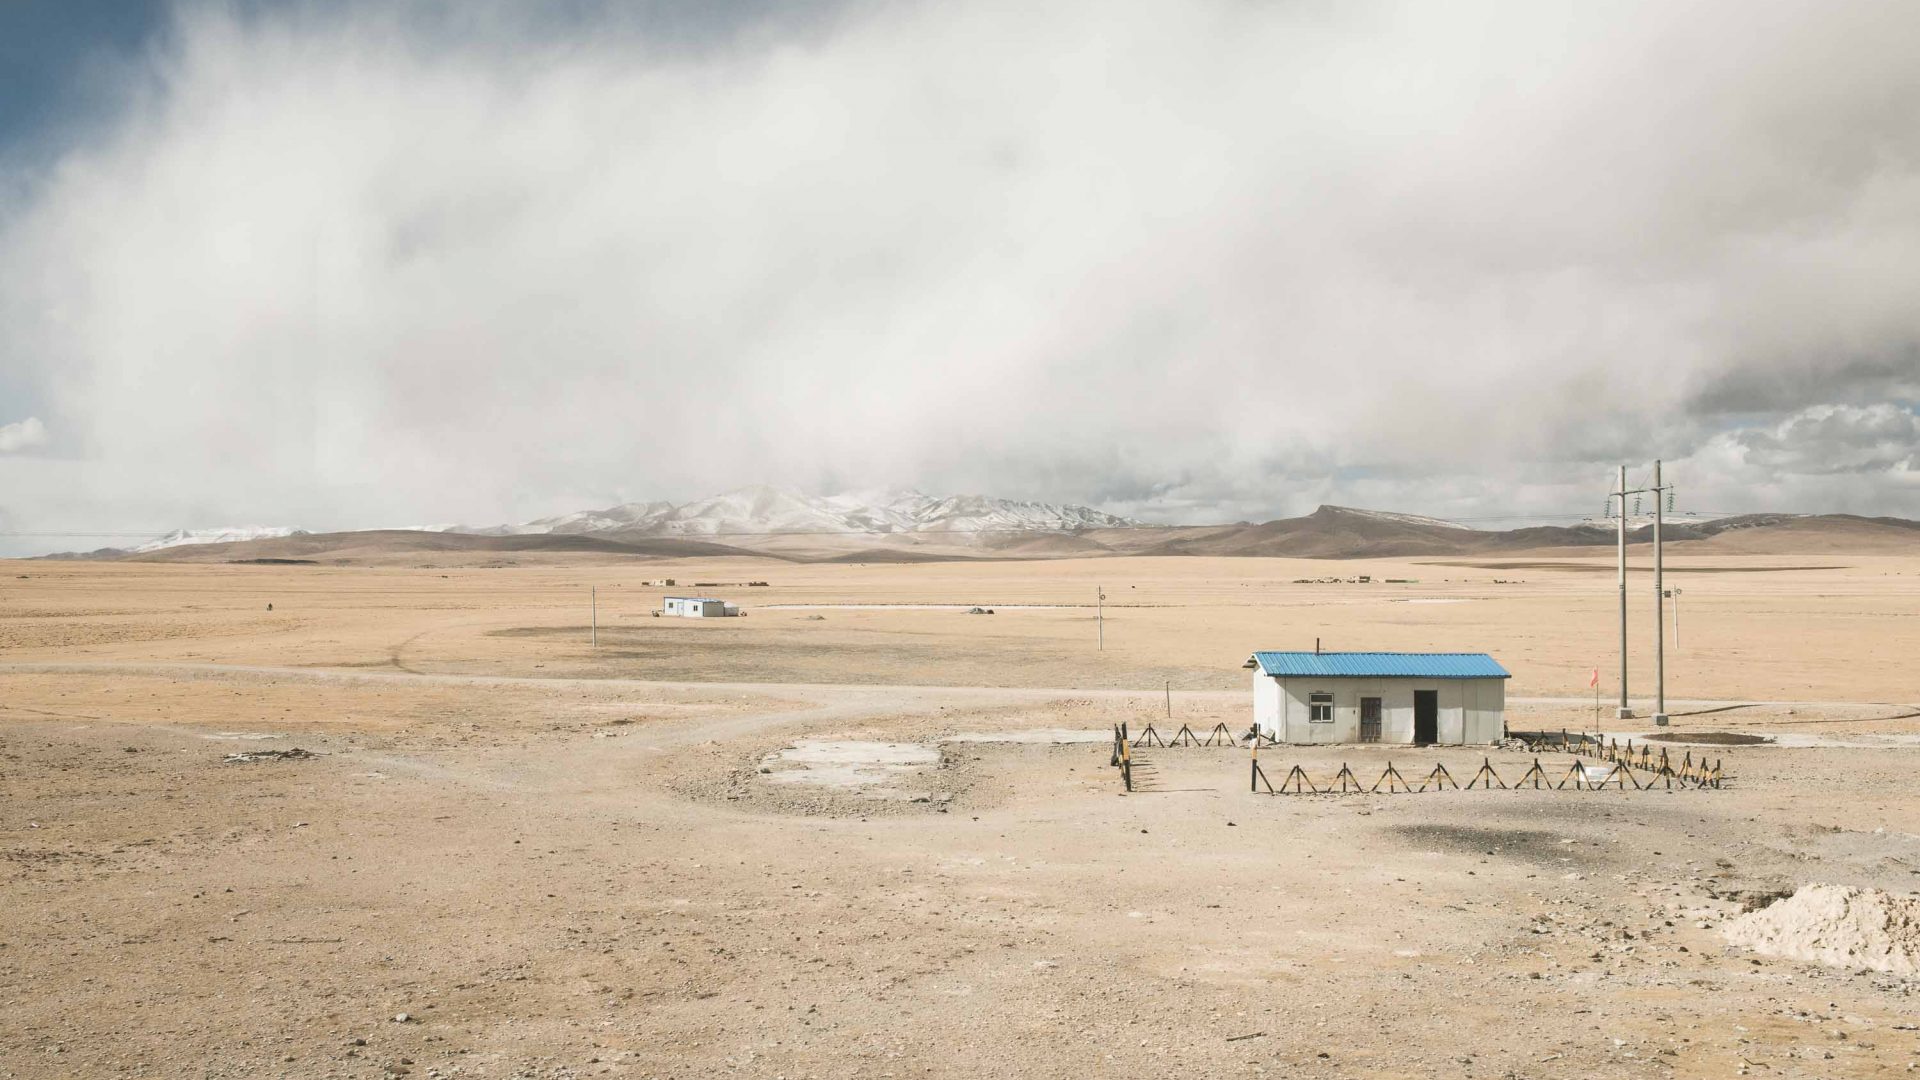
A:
1362, 697
698, 607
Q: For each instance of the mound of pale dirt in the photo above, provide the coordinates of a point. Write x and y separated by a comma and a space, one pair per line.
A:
1837, 925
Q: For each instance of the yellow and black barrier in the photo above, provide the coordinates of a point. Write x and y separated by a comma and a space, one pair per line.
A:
1665, 773
1486, 777
1391, 778
1439, 777
1220, 735
1619, 777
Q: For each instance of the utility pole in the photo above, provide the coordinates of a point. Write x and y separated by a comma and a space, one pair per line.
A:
1659, 610
1626, 711
1100, 614
1659, 492
593, 604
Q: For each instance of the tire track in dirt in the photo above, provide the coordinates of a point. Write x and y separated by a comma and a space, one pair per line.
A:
1009, 695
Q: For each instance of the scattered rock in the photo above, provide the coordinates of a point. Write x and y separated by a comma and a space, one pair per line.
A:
295, 754
1753, 897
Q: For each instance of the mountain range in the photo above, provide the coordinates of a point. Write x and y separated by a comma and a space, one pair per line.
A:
769, 511
234, 535
910, 526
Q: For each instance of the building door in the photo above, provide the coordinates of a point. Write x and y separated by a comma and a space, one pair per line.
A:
1426, 717
1369, 719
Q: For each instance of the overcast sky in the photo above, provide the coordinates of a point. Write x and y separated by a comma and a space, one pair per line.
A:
325, 265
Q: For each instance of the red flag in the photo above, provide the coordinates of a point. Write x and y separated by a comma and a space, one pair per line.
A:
1595, 679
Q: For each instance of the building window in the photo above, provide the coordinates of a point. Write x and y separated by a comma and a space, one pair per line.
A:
1320, 708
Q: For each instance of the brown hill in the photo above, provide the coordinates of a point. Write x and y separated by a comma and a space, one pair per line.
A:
1331, 532
1338, 532
1816, 535
1335, 532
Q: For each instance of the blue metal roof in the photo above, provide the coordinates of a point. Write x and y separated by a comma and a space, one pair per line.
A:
1351, 665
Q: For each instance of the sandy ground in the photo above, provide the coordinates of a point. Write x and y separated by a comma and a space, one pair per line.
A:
557, 861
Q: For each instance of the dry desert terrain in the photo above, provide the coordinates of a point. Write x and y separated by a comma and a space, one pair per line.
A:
861, 833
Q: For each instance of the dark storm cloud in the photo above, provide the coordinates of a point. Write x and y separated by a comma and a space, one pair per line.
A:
342, 264
1772, 387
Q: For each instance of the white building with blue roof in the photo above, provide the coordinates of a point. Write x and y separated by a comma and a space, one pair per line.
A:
1360, 697
697, 607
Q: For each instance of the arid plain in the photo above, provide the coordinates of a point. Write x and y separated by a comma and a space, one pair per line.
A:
516, 853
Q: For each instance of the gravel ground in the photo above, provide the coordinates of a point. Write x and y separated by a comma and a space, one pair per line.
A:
510, 856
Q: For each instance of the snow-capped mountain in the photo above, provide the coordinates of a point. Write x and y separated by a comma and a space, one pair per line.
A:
185, 537
978, 513
624, 516
1401, 519
750, 511
762, 509
770, 510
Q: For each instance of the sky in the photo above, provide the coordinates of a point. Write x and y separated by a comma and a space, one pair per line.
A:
341, 265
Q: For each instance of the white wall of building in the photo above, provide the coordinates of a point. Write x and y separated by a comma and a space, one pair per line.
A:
1471, 710
1268, 704
695, 607
1487, 710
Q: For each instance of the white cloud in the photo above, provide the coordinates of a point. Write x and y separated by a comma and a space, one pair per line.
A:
1186, 260
1837, 438
23, 435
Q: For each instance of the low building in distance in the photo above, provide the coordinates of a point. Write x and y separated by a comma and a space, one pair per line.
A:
698, 607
